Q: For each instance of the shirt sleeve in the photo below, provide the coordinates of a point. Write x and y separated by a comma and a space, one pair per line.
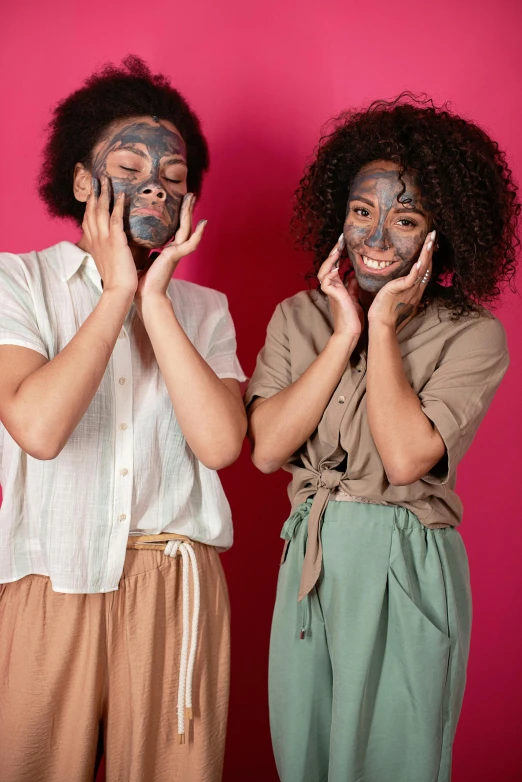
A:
273, 368
18, 322
459, 392
221, 355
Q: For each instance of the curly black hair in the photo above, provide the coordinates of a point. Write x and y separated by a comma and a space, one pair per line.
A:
114, 93
462, 174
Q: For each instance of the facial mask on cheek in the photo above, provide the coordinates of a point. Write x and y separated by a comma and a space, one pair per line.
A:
157, 226
147, 229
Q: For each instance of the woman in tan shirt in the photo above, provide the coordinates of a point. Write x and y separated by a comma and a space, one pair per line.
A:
369, 390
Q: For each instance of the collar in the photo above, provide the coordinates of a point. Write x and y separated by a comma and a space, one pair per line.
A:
72, 258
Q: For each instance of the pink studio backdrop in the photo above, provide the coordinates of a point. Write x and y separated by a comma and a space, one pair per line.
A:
264, 76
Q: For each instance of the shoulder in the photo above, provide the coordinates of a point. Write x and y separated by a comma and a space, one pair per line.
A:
193, 302
21, 272
304, 301
478, 331
305, 312
28, 266
192, 291
15, 264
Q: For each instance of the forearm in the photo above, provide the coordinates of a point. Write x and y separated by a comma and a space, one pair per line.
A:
211, 418
50, 402
407, 442
281, 424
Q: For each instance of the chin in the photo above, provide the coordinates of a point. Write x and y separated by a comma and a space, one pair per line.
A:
371, 285
148, 232
146, 243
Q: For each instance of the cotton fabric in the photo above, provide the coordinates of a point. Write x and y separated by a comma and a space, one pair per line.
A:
126, 467
454, 367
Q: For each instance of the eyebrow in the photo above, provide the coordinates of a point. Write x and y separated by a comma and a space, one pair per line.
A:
131, 148
399, 210
415, 210
176, 160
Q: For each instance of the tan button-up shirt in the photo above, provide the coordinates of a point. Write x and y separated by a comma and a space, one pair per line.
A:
455, 368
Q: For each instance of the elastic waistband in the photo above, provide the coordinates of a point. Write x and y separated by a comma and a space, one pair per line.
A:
348, 512
328, 483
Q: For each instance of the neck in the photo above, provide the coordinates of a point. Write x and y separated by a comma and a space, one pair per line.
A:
366, 298
139, 254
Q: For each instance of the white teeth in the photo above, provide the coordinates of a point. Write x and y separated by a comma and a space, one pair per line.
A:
371, 264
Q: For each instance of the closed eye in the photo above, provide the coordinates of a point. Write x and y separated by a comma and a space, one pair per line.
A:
129, 169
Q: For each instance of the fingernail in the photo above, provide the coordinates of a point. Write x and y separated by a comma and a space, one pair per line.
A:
433, 235
341, 242
418, 264
430, 245
202, 223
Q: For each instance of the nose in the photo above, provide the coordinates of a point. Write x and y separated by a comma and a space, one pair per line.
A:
153, 189
376, 239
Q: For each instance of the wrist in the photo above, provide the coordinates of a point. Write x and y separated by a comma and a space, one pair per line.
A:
117, 295
381, 329
151, 304
344, 342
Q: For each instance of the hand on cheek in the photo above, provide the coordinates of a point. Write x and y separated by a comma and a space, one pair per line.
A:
155, 280
397, 302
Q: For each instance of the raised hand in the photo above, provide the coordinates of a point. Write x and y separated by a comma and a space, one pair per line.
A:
106, 240
344, 299
397, 302
155, 279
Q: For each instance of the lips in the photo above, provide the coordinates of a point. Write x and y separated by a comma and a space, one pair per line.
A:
373, 265
147, 210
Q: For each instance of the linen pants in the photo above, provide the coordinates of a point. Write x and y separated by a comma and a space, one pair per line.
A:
71, 664
373, 691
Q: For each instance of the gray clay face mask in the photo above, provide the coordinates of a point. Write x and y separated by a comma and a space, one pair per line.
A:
148, 163
385, 226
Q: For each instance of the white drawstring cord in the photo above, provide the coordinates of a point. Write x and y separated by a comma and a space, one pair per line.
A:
195, 626
188, 657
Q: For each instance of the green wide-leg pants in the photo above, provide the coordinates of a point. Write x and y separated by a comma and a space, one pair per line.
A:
373, 691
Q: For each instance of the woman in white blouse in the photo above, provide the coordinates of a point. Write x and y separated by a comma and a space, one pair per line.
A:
119, 399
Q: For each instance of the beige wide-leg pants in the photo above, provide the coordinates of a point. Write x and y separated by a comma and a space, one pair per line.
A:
72, 664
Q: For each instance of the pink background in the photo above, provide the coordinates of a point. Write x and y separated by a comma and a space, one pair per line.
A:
264, 76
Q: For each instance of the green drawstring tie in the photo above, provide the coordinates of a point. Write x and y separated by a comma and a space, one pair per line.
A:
305, 615
288, 532
293, 522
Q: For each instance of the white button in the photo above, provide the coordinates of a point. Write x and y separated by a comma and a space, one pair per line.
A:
124, 471
122, 335
122, 516
123, 427
122, 381
341, 400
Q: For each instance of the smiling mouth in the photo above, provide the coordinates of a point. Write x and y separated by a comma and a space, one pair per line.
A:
372, 263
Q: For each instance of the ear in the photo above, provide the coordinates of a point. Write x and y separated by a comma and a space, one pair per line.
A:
82, 182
